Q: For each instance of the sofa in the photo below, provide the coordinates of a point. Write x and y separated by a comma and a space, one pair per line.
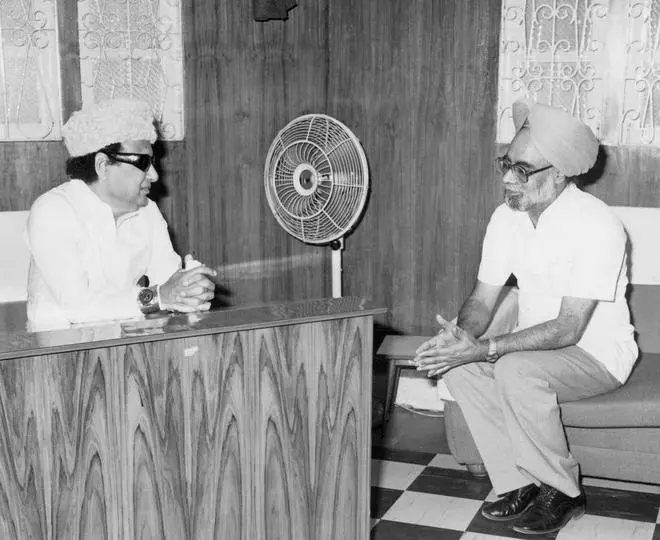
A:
615, 435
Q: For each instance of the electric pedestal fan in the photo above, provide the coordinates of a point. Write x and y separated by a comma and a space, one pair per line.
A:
316, 179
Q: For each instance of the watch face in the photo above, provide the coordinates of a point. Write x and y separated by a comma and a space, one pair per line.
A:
146, 296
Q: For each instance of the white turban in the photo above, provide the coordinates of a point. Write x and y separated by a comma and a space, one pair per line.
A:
566, 142
108, 122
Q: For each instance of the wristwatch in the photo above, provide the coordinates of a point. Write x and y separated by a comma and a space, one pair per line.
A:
148, 299
492, 351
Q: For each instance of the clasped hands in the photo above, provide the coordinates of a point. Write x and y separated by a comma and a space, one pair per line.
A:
450, 348
188, 290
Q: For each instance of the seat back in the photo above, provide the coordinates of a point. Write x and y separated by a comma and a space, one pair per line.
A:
642, 226
14, 257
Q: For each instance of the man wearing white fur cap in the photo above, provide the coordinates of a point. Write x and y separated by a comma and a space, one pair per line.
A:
99, 246
571, 338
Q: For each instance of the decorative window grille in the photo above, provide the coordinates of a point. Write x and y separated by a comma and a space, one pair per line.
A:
639, 122
598, 59
134, 48
29, 71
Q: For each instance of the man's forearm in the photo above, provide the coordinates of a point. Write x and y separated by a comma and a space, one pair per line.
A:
553, 334
474, 317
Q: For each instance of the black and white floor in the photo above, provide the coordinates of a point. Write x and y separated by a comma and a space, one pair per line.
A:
420, 493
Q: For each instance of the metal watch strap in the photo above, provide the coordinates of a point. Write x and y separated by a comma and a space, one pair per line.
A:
492, 350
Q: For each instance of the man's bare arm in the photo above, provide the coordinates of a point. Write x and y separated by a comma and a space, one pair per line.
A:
565, 330
477, 311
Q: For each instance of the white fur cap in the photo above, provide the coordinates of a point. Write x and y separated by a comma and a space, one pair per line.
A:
108, 122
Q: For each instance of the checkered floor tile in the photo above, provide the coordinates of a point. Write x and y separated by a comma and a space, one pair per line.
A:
420, 496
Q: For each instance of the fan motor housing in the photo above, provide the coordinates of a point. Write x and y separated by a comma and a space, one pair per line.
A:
305, 179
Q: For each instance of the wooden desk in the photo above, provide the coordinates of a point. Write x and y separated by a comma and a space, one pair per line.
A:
237, 424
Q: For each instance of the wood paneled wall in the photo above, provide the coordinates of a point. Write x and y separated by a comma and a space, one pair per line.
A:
417, 83
626, 176
244, 82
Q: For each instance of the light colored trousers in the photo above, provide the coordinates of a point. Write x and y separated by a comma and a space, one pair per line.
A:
512, 410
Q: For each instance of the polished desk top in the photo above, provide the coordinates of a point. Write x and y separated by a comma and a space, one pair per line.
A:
21, 343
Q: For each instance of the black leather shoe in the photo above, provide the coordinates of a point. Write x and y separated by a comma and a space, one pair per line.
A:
551, 510
512, 505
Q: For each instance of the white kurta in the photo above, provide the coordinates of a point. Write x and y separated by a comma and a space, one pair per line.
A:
84, 266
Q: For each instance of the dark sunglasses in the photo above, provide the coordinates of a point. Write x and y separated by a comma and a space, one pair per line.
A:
504, 165
141, 161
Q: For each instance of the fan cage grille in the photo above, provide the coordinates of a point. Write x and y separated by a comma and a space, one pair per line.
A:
316, 178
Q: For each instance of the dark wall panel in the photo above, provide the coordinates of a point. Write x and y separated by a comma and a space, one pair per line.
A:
244, 82
417, 82
627, 176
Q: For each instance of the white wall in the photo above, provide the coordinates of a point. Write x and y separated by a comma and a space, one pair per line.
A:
14, 257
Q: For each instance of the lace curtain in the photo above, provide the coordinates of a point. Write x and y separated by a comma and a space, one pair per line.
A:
134, 48
127, 48
29, 71
597, 59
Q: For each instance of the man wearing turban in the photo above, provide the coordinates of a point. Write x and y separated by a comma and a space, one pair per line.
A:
572, 338
99, 246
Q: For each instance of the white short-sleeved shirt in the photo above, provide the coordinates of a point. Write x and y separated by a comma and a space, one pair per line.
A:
84, 266
577, 249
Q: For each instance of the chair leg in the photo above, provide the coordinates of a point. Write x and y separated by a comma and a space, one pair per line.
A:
395, 385
477, 469
392, 383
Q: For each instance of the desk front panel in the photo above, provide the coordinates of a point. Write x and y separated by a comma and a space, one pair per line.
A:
253, 434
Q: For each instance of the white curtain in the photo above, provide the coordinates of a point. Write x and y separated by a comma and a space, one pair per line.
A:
598, 59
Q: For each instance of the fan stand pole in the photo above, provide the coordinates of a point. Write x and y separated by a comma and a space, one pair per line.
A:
337, 247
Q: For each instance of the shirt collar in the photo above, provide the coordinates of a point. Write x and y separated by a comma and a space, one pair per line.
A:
556, 206
87, 202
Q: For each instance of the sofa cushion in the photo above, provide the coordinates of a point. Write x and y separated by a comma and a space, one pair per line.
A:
635, 404
645, 440
644, 301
